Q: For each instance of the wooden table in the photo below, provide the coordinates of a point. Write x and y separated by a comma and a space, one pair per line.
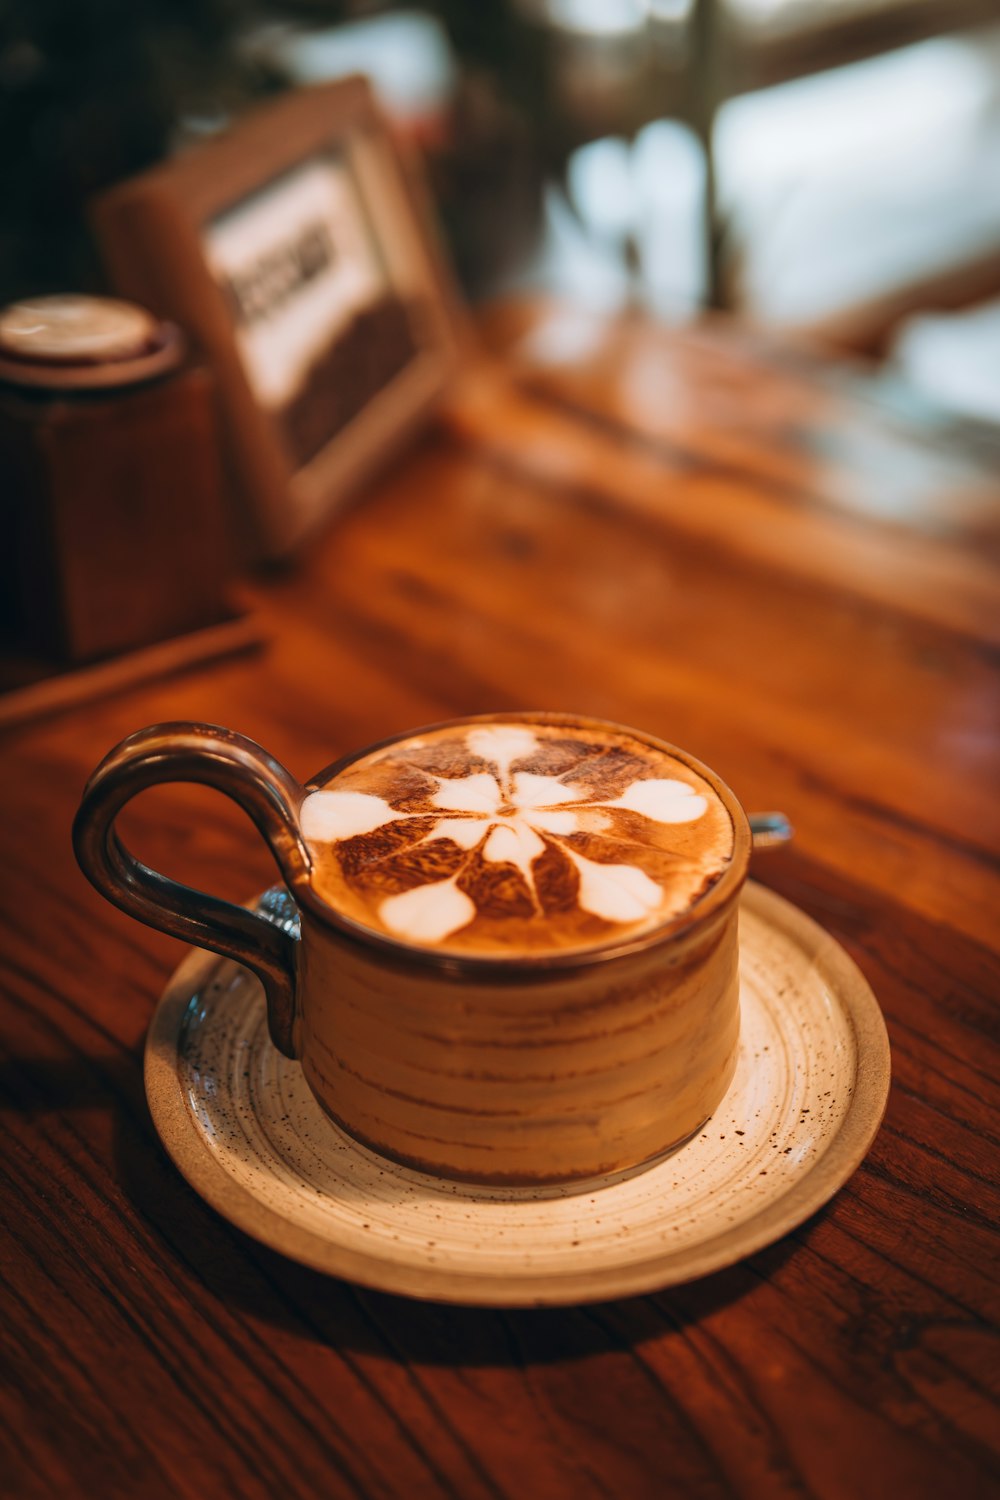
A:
689, 532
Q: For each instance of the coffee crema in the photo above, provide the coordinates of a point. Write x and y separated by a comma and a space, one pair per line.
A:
516, 836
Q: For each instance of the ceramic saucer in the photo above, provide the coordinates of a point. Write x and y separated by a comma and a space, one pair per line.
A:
807, 1099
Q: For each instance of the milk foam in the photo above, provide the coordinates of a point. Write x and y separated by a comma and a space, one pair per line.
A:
514, 836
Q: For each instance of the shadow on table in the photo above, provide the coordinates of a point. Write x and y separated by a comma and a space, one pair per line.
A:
265, 1290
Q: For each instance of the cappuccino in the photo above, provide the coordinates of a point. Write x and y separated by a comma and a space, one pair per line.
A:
516, 836
517, 954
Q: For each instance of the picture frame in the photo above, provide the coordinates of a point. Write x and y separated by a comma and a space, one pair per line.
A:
297, 250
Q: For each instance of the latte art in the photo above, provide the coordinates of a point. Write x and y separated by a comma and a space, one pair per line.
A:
516, 836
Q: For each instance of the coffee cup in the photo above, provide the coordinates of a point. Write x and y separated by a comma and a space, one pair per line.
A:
517, 960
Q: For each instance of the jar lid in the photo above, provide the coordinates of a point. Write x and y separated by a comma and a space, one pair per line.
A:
74, 342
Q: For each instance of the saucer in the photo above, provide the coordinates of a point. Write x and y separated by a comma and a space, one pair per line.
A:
807, 1098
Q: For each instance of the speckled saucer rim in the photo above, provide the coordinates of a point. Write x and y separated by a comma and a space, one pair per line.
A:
820, 1180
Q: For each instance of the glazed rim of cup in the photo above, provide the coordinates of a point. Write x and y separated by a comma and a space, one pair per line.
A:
488, 966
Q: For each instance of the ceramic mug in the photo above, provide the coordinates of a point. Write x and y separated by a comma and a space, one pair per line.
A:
516, 961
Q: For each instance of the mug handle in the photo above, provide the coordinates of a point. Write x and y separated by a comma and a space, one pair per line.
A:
256, 782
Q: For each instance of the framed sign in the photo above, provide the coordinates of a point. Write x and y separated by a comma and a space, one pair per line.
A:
296, 250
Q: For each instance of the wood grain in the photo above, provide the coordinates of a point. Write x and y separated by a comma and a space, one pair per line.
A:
722, 545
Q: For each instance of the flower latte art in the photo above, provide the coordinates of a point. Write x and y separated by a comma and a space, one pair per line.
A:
516, 836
